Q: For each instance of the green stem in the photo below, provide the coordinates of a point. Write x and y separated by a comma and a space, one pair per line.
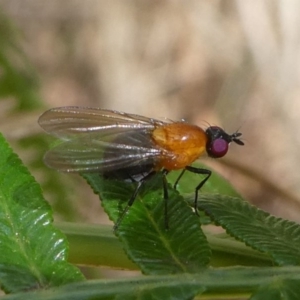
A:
96, 245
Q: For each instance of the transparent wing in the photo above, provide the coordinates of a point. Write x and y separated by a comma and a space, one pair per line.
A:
98, 152
70, 121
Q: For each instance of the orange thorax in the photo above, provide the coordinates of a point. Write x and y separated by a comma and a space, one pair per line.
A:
180, 143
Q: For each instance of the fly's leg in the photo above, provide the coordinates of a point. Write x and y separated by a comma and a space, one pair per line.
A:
132, 198
166, 197
178, 178
200, 185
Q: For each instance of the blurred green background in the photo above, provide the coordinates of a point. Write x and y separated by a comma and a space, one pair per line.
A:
230, 63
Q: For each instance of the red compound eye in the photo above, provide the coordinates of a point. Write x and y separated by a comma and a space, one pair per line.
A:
218, 148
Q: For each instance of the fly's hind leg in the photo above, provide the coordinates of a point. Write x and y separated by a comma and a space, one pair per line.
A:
132, 198
166, 196
178, 178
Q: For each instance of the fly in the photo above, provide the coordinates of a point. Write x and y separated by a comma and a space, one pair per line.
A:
130, 147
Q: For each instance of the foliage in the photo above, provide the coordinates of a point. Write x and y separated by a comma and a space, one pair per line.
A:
33, 252
176, 261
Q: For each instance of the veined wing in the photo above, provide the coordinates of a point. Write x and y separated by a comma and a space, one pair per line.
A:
98, 152
67, 122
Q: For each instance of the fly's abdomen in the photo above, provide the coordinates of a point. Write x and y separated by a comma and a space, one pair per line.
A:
140, 166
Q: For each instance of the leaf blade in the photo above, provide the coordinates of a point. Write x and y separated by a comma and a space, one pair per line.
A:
29, 244
182, 248
278, 238
277, 290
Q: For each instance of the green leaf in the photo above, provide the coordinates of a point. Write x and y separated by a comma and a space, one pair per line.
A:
278, 238
32, 252
278, 290
157, 250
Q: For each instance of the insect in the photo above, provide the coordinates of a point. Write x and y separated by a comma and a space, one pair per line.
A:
130, 147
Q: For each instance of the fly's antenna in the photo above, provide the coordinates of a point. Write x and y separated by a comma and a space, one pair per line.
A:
207, 124
235, 137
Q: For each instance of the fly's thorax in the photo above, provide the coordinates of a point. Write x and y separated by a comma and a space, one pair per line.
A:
180, 144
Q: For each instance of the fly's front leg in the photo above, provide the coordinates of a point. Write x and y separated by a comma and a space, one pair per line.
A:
200, 185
